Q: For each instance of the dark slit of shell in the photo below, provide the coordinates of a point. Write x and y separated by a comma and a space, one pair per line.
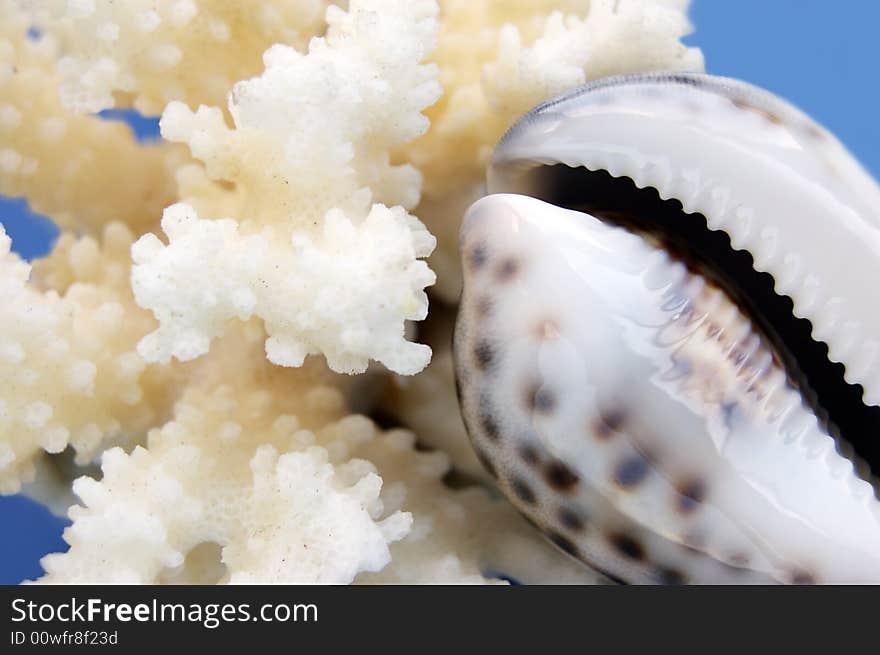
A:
618, 200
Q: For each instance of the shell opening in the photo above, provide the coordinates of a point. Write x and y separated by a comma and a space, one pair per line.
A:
618, 200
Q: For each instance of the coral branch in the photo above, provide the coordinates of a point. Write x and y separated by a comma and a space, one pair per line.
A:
149, 52
80, 171
69, 373
343, 294
308, 154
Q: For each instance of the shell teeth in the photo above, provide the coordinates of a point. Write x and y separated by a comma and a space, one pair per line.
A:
760, 367
662, 273
793, 423
775, 385
740, 227
817, 444
791, 273
750, 348
860, 367
838, 466
689, 191
859, 488
719, 206
869, 362
845, 342
654, 173
765, 250
828, 320
808, 298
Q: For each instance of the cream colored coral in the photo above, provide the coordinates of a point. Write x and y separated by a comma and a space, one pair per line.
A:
81, 171
314, 130
230, 470
149, 52
69, 373
311, 299
327, 272
497, 59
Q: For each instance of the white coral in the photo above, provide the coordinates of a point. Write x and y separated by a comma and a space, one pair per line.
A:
614, 36
69, 373
215, 475
326, 272
279, 516
155, 51
81, 171
343, 294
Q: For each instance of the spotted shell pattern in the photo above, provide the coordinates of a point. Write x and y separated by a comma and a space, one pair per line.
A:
625, 404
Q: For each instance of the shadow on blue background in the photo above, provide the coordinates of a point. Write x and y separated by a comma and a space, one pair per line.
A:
821, 56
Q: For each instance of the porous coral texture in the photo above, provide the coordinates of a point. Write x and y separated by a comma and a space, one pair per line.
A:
149, 52
244, 472
69, 372
344, 292
81, 171
305, 246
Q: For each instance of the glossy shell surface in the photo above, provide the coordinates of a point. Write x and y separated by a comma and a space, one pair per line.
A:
623, 401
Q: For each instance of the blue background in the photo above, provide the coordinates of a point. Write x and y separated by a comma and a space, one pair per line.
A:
821, 55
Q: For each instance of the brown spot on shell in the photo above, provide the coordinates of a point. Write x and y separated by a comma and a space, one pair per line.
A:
483, 355
768, 115
626, 546
487, 422
802, 577
523, 491
670, 576
560, 476
691, 492
529, 454
482, 307
479, 256
814, 131
631, 471
571, 519
507, 269
608, 423
540, 399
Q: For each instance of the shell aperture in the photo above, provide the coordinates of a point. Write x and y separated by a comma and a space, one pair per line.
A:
625, 402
